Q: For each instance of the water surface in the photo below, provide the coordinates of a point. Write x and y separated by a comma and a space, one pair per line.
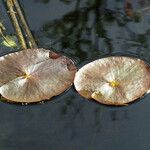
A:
84, 30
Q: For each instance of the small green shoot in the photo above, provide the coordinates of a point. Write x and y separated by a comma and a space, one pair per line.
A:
8, 40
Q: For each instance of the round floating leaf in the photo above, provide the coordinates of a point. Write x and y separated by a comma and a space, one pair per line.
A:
113, 80
33, 75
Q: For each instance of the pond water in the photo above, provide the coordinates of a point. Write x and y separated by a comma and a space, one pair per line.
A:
84, 30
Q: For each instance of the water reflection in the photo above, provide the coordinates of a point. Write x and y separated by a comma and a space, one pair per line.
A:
94, 28
119, 115
42, 1
90, 29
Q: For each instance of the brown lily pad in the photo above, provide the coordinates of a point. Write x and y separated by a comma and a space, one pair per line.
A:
113, 80
33, 75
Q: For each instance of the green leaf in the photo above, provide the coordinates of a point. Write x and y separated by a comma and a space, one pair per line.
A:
9, 41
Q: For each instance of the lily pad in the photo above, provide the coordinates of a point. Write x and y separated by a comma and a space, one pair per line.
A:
115, 80
33, 75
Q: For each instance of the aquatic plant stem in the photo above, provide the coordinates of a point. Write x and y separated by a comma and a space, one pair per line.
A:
32, 42
12, 13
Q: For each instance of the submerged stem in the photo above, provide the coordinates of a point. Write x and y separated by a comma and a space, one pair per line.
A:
12, 13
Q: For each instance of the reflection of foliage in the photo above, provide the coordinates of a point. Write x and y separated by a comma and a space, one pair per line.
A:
119, 115
128, 8
67, 1
74, 31
43, 1
86, 31
129, 11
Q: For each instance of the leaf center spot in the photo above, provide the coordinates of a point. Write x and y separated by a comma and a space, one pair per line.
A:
27, 76
114, 83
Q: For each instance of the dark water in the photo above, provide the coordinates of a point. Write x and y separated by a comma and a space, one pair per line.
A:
84, 30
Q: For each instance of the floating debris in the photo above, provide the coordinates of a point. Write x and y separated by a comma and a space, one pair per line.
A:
114, 80
34, 75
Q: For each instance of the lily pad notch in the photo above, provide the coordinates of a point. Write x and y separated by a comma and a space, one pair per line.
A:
115, 80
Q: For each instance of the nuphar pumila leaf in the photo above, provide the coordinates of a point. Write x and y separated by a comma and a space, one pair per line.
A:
33, 75
113, 80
